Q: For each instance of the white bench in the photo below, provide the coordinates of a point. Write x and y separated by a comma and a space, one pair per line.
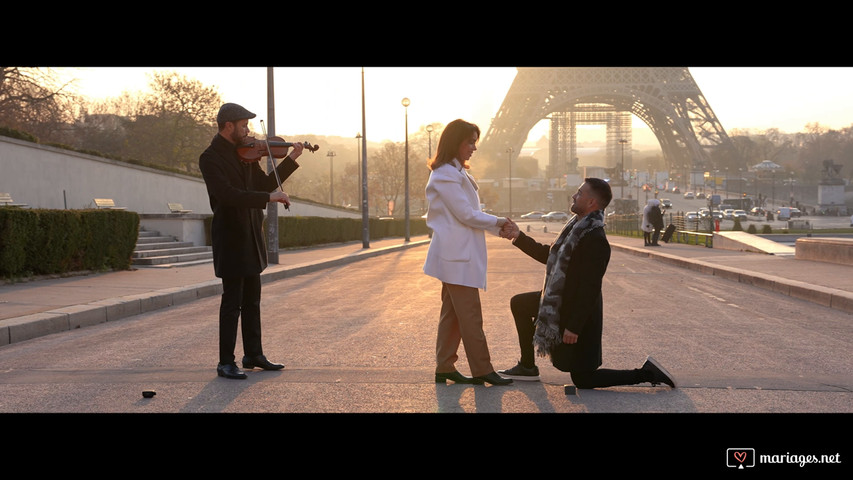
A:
6, 201
106, 203
178, 208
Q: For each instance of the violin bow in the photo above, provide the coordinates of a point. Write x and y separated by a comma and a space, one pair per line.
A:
272, 162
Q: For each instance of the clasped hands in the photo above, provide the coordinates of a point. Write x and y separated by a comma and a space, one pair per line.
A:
509, 229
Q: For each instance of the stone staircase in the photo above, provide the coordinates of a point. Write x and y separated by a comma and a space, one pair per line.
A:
157, 251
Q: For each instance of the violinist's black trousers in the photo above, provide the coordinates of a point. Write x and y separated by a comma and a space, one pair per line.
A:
241, 302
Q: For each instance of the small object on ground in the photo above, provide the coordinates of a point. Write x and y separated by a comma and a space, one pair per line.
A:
148, 393
570, 389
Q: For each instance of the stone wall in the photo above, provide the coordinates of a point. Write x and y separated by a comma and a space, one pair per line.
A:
48, 177
826, 249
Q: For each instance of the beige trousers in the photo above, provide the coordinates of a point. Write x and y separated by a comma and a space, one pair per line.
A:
461, 319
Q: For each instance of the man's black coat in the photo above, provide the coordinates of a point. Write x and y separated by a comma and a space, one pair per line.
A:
239, 193
582, 310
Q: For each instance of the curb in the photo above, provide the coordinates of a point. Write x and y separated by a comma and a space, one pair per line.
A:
27, 327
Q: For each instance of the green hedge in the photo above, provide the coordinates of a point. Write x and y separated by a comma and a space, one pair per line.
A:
308, 231
41, 241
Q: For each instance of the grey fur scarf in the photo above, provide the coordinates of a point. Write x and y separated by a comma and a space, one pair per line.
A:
547, 335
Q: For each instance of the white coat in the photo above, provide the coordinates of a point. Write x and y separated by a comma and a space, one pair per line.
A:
646, 223
457, 252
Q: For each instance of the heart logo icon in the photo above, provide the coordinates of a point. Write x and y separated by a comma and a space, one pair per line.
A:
740, 456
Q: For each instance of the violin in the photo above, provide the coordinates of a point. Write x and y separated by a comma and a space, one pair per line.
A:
253, 149
273, 147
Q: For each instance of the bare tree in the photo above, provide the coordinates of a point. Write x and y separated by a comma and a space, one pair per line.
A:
34, 101
818, 144
174, 122
386, 176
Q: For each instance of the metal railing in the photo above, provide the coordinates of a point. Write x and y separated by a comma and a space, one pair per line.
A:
629, 225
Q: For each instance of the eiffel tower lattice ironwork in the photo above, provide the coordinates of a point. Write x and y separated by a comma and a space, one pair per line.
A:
667, 99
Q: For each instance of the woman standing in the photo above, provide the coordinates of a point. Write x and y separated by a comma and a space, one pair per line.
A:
646, 225
457, 256
652, 222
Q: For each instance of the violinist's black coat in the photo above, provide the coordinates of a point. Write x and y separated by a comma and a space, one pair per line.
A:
239, 193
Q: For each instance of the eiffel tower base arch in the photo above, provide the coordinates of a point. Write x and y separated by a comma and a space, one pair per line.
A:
667, 99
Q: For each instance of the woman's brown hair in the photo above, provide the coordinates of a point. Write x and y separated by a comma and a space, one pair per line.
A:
454, 134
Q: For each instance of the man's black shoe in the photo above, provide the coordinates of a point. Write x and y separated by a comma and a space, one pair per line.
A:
520, 372
230, 370
657, 373
261, 362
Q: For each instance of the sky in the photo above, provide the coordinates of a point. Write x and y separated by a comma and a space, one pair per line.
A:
328, 101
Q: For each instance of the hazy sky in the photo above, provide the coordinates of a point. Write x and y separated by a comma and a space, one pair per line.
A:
327, 100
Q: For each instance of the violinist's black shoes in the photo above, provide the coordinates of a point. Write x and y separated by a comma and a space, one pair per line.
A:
230, 370
261, 361
656, 373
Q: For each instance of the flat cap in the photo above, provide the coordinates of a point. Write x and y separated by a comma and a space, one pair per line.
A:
231, 112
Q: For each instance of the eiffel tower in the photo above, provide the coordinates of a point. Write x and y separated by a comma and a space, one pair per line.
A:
667, 99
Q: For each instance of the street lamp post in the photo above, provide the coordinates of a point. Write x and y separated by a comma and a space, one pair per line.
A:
716, 174
406, 103
772, 189
272, 207
365, 218
791, 183
358, 163
636, 182
622, 142
331, 156
509, 182
740, 183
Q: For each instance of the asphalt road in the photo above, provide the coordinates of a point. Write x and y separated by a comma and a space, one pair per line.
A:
360, 339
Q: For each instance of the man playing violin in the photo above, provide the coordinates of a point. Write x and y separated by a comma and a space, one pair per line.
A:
239, 192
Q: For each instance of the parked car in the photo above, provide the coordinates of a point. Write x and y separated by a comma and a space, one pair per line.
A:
739, 214
689, 195
533, 215
665, 203
728, 214
556, 217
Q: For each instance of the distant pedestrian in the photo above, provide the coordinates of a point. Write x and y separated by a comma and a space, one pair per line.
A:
656, 219
652, 223
646, 225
